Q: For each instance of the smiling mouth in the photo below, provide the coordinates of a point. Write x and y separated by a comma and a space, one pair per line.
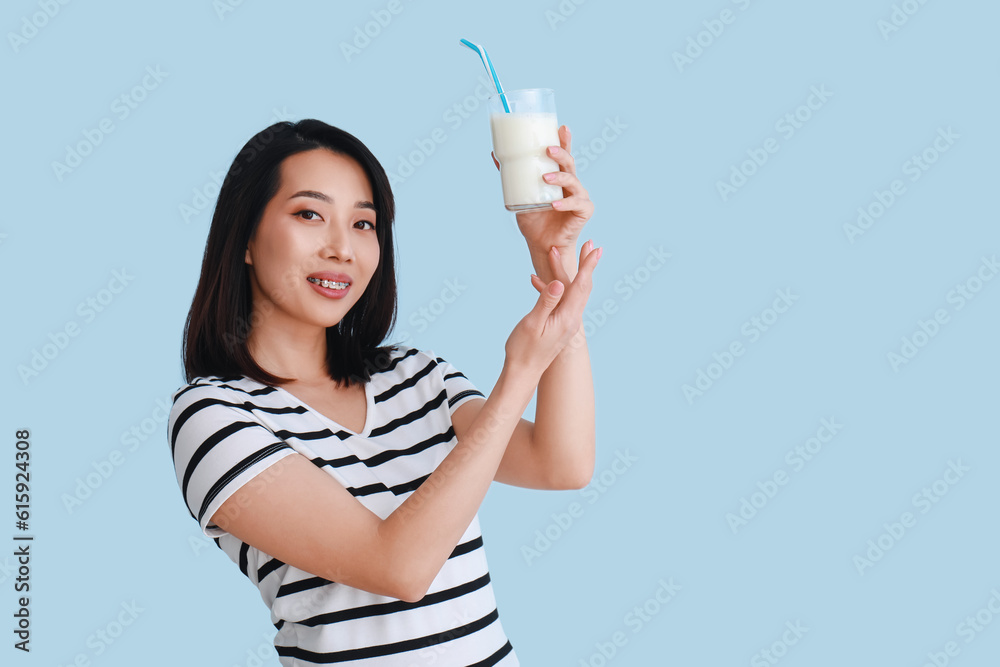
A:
329, 284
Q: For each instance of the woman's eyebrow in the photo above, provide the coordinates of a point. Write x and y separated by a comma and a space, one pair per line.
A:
322, 197
313, 194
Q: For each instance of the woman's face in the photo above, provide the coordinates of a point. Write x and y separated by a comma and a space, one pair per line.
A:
319, 227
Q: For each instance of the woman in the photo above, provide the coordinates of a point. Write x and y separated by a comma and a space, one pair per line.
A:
344, 478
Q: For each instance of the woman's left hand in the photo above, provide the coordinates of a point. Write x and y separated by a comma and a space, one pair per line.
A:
561, 225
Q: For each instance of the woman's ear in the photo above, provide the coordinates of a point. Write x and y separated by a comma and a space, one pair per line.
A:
246, 258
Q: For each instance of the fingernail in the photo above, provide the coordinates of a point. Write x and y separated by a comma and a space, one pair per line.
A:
549, 177
600, 251
552, 150
556, 251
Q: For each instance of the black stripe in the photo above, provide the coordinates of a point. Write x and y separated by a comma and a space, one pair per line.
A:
462, 394
396, 606
390, 454
367, 490
263, 391
235, 471
207, 446
316, 582
183, 417
321, 434
183, 390
379, 487
412, 416
244, 560
405, 384
267, 568
387, 454
466, 547
456, 374
396, 361
389, 649
302, 585
336, 463
405, 487
496, 657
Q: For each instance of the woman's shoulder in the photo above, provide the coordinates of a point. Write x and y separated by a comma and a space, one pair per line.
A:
231, 390
409, 350
407, 357
221, 385
211, 404
389, 358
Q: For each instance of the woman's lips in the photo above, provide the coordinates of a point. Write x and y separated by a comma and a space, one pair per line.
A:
332, 292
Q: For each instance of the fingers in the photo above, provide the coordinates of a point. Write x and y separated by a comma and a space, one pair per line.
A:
569, 183
589, 257
537, 283
578, 205
562, 154
558, 314
549, 297
563, 158
565, 138
575, 196
577, 290
566, 176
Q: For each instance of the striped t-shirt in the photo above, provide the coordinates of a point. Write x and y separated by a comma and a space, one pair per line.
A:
224, 431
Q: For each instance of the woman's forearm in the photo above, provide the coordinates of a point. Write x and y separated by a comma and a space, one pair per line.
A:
564, 434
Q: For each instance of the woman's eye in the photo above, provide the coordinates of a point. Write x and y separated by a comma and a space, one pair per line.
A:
306, 213
367, 222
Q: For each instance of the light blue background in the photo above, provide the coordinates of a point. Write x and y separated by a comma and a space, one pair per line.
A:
680, 130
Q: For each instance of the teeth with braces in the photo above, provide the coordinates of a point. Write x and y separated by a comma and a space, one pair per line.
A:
329, 284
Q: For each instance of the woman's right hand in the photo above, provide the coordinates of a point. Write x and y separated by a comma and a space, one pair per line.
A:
557, 316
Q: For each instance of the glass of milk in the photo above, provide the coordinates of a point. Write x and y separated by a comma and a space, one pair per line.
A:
521, 138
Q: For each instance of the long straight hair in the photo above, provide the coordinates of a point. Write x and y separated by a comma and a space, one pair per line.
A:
220, 319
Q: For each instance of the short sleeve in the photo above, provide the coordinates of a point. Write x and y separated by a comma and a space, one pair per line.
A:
458, 387
217, 447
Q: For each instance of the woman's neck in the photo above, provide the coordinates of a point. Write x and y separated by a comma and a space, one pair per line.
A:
291, 352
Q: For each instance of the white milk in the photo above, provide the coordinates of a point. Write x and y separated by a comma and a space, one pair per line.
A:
520, 141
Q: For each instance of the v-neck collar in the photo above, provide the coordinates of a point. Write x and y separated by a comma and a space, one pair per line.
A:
369, 410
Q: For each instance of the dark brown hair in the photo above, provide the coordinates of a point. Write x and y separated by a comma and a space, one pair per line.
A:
219, 322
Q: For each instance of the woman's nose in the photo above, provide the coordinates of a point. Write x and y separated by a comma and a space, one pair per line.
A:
337, 243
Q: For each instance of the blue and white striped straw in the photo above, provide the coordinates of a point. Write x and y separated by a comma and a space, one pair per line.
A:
489, 68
